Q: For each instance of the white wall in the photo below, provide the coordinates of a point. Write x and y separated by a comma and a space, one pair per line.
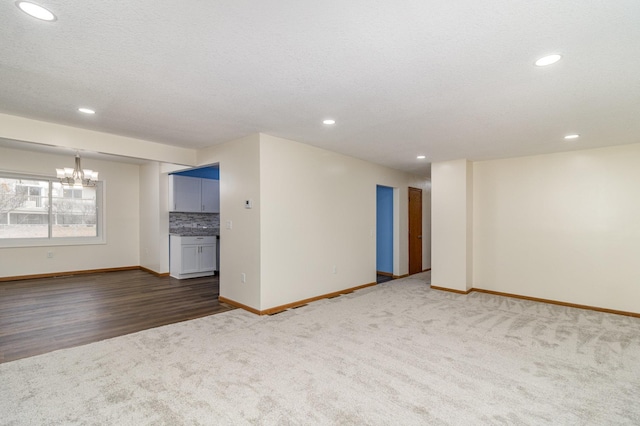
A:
239, 163
163, 221
562, 226
42, 132
426, 227
318, 210
150, 248
312, 209
451, 224
153, 190
154, 216
122, 219
342, 189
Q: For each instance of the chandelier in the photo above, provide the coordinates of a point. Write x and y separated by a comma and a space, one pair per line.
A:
77, 176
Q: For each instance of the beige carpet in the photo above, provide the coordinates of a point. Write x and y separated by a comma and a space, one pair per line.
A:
396, 353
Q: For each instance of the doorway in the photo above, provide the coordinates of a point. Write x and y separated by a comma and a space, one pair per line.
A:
415, 230
384, 233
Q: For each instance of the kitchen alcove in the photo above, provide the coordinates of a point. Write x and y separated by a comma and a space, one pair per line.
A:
194, 204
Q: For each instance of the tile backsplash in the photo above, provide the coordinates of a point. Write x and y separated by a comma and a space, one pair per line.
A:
179, 223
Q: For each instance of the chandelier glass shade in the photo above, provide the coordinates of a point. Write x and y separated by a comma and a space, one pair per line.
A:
77, 176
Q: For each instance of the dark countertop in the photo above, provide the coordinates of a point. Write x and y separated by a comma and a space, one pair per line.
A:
196, 232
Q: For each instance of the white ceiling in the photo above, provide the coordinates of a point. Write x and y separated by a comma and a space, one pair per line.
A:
447, 79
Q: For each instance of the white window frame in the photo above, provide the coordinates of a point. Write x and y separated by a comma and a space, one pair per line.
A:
51, 241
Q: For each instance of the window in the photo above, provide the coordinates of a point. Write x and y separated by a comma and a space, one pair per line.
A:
41, 211
71, 192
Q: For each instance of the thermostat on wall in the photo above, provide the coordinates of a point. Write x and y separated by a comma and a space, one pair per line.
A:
248, 204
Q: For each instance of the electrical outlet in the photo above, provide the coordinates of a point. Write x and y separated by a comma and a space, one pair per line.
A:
229, 224
49, 254
335, 269
243, 277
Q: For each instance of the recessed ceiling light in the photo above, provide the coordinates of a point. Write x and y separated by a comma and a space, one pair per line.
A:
421, 157
36, 11
86, 110
572, 136
548, 60
329, 121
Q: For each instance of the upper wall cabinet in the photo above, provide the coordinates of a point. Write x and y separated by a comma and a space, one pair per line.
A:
190, 194
184, 194
210, 196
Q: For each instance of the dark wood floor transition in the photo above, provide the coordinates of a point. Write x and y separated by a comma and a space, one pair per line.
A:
383, 278
46, 314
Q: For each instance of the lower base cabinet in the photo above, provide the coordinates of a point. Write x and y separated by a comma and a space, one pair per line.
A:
191, 257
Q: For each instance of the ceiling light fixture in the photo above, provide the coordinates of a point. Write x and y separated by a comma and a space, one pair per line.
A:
36, 11
329, 121
576, 136
421, 157
86, 110
548, 60
77, 177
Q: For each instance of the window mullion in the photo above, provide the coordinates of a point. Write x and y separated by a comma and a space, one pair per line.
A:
50, 210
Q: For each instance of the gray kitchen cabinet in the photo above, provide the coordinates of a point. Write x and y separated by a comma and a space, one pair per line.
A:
191, 257
193, 195
210, 196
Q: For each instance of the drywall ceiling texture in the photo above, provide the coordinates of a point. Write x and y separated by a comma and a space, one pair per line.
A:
445, 79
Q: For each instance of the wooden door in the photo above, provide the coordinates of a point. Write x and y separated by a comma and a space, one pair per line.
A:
415, 230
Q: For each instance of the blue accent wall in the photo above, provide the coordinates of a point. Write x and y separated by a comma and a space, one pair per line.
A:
384, 229
205, 172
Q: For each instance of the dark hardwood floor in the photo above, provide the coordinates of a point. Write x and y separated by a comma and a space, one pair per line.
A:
383, 278
46, 314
